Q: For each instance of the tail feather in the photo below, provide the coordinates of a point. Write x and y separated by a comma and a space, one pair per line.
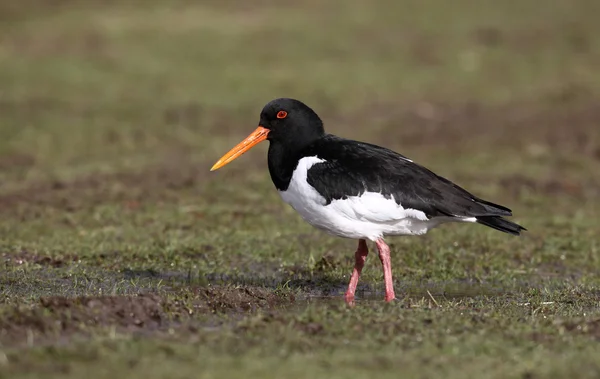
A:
493, 209
501, 224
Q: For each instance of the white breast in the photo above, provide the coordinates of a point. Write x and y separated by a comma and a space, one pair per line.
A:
369, 215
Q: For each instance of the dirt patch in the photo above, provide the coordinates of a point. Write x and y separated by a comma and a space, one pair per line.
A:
60, 317
590, 327
26, 257
239, 299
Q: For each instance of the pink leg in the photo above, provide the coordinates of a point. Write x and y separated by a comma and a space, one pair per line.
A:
384, 255
359, 261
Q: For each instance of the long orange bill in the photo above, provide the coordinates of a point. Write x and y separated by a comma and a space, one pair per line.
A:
259, 135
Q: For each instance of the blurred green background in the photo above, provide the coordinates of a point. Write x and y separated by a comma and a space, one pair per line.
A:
112, 113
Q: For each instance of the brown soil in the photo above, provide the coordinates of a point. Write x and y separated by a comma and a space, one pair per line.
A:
590, 327
144, 313
26, 257
239, 299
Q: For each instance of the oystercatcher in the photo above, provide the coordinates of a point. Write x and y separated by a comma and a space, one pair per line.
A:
358, 190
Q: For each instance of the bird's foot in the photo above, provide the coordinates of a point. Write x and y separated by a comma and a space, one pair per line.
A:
389, 296
349, 298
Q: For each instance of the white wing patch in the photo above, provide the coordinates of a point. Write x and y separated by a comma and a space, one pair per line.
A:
370, 215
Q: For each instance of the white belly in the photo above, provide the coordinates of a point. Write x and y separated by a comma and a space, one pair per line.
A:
369, 215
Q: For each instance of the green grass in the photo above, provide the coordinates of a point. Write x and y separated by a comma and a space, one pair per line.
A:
121, 255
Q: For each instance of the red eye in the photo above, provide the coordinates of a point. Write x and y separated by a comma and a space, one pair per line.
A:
281, 114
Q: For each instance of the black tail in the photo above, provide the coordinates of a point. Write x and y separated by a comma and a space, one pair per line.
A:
501, 224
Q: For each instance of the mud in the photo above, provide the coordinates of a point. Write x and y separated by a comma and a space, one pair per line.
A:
589, 327
68, 316
25, 257
239, 299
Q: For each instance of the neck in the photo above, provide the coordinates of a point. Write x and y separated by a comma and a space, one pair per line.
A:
286, 149
282, 163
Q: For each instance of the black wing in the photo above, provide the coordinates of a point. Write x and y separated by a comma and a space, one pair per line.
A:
352, 168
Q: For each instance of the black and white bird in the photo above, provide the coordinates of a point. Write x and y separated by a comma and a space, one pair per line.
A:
358, 190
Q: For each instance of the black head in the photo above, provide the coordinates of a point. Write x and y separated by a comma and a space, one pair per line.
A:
291, 122
287, 123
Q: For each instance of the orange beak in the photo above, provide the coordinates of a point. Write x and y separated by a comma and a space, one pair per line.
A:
259, 135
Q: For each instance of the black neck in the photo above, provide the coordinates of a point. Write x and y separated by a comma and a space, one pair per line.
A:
282, 162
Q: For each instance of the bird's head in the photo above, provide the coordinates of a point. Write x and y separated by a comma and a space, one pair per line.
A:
286, 121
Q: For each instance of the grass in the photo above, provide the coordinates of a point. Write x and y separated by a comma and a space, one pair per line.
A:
122, 255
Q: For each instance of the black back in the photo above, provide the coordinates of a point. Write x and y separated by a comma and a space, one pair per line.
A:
353, 167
